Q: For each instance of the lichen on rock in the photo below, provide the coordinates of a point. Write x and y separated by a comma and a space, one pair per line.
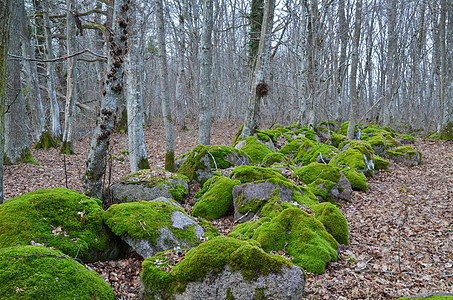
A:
405, 155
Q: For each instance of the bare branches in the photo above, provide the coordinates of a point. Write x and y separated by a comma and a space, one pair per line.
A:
16, 57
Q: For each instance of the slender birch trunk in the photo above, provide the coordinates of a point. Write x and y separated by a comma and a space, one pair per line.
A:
71, 79
114, 83
204, 121
181, 98
5, 16
353, 93
164, 93
259, 88
134, 104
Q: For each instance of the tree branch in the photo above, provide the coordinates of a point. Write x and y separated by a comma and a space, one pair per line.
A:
16, 57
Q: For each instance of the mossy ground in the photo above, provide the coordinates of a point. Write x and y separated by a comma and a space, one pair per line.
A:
212, 255
309, 154
217, 200
275, 158
255, 150
57, 217
31, 272
304, 237
311, 172
133, 218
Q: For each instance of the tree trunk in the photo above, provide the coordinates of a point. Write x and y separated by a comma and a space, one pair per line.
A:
353, 93
204, 121
343, 68
114, 83
259, 88
391, 53
164, 93
5, 16
134, 104
33, 92
256, 22
181, 98
55, 127
17, 147
71, 81
447, 125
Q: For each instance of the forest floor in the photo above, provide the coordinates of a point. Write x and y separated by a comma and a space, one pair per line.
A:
401, 229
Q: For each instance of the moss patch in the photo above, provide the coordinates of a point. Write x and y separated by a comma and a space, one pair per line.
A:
216, 201
304, 237
46, 141
357, 179
210, 231
308, 153
58, 217
311, 172
380, 163
212, 255
275, 158
255, 150
447, 132
30, 272
134, 217
253, 173
333, 220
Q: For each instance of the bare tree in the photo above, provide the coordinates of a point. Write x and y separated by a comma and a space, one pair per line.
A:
204, 119
114, 84
354, 62
164, 92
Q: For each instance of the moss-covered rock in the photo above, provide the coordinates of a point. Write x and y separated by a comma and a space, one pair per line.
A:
356, 155
210, 231
296, 232
207, 261
151, 227
405, 155
405, 139
217, 200
357, 179
309, 153
333, 220
380, 163
65, 219
256, 151
32, 272
292, 148
311, 172
149, 185
254, 173
275, 158
202, 159
336, 139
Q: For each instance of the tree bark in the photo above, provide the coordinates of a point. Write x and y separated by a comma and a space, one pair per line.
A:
134, 103
259, 87
67, 146
5, 16
164, 93
447, 125
55, 127
353, 93
392, 39
204, 121
342, 72
114, 83
17, 147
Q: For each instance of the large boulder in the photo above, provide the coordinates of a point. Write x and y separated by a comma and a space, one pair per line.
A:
36, 272
295, 232
217, 200
152, 227
315, 152
256, 149
405, 155
356, 155
149, 185
222, 268
200, 162
333, 220
64, 219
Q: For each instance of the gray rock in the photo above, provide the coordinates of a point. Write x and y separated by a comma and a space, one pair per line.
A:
262, 190
289, 284
167, 239
168, 201
342, 190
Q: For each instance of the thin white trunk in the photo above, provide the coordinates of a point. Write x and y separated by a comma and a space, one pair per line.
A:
204, 118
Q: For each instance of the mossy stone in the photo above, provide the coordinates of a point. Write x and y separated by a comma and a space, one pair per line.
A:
65, 219
333, 220
217, 200
32, 272
254, 173
255, 150
336, 139
304, 237
210, 231
310, 154
275, 158
212, 255
357, 179
314, 170
292, 148
380, 163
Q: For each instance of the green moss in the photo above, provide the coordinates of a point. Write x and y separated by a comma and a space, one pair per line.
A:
255, 150
30, 272
57, 217
210, 231
144, 164
292, 148
380, 163
304, 237
404, 151
207, 185
46, 141
237, 137
229, 294
274, 206
321, 188
217, 200
311, 172
275, 157
253, 173
133, 218
170, 161
267, 135
357, 179
446, 132
67, 148
336, 139
389, 130
305, 196
362, 146
212, 255
24, 157
333, 220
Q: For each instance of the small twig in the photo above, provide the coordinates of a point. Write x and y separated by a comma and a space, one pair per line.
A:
77, 254
242, 217
213, 159
140, 222
16, 57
